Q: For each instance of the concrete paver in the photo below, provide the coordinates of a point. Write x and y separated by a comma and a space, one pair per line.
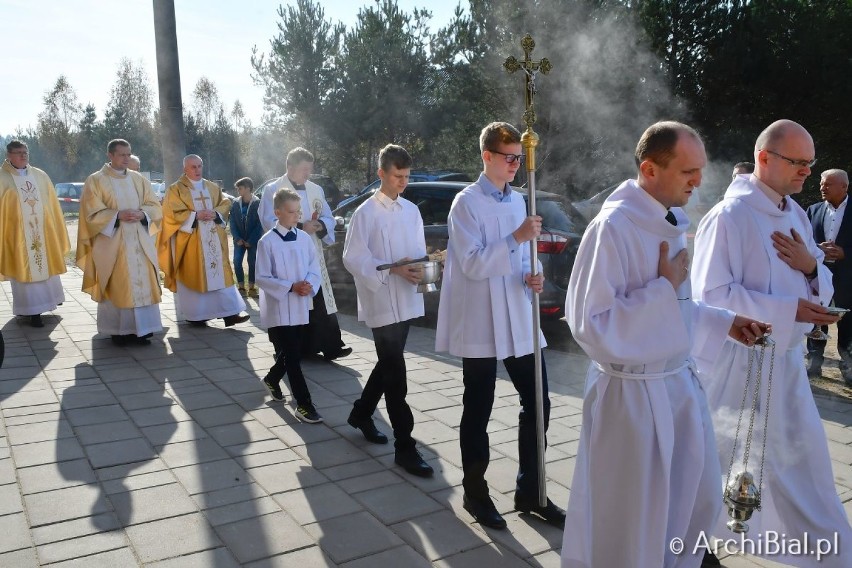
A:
173, 455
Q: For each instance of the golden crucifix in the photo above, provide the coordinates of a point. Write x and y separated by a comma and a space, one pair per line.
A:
529, 140
531, 69
201, 197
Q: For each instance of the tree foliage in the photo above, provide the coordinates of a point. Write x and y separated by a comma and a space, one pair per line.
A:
729, 68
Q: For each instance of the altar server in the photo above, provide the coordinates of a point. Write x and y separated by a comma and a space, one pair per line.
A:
385, 229
485, 315
288, 275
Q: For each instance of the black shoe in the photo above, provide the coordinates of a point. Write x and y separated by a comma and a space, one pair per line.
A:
142, 339
274, 389
484, 512
412, 462
35, 321
197, 323
119, 339
710, 559
307, 413
235, 319
368, 428
344, 352
551, 514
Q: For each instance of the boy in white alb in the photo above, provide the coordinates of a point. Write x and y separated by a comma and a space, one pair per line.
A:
485, 315
385, 229
288, 274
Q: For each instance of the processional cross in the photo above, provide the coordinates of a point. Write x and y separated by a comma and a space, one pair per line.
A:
531, 69
529, 140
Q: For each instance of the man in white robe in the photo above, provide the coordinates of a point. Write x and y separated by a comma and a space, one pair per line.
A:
755, 253
646, 469
193, 249
485, 314
323, 329
117, 248
35, 240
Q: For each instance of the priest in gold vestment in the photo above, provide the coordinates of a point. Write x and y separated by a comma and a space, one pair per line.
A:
193, 249
34, 237
117, 248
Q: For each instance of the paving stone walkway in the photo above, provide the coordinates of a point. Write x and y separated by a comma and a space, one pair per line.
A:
173, 455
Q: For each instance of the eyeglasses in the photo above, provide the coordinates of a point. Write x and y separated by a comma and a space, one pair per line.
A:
510, 158
792, 162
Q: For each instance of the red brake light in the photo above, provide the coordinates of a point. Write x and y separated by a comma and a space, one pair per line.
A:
552, 243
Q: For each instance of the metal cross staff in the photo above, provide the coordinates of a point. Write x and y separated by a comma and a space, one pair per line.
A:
529, 140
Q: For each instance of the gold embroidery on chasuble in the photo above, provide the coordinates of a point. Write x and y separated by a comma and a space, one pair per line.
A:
131, 234
32, 214
211, 246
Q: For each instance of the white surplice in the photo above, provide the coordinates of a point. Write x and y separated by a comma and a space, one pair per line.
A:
737, 267
647, 468
485, 309
383, 231
313, 206
279, 265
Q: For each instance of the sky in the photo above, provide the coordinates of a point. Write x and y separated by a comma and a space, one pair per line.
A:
85, 40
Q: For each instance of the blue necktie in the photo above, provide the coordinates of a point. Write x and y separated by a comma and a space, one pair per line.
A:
290, 236
671, 218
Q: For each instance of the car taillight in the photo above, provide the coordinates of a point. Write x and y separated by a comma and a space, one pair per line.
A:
552, 243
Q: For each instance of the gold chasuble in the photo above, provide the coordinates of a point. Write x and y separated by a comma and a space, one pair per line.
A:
32, 227
121, 265
199, 259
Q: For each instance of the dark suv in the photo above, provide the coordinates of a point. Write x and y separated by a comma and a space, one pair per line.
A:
562, 229
415, 176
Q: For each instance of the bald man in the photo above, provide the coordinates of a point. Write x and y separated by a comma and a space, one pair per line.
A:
755, 255
134, 163
193, 249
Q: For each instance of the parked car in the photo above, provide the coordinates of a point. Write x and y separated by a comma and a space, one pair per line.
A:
329, 188
69, 196
589, 208
562, 228
416, 176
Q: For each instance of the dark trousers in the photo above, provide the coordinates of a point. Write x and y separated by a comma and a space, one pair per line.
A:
287, 340
388, 378
239, 254
323, 330
480, 376
816, 349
